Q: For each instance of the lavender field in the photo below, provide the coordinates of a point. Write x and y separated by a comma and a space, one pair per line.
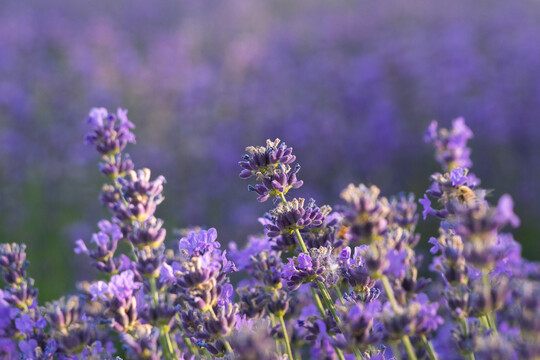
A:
166, 252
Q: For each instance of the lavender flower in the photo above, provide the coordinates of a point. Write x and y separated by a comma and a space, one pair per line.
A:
366, 214
295, 216
364, 290
355, 271
451, 145
199, 243
319, 265
359, 324
111, 132
143, 343
142, 194
13, 262
280, 181
106, 242
262, 160
270, 166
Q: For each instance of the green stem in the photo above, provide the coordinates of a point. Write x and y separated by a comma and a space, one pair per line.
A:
166, 343
339, 295
492, 322
390, 293
490, 316
339, 353
208, 355
322, 288
408, 347
328, 301
154, 290
405, 339
273, 321
285, 336
318, 302
228, 346
301, 241
485, 322
429, 347
166, 340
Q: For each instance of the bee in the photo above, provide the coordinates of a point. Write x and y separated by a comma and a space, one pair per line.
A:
465, 195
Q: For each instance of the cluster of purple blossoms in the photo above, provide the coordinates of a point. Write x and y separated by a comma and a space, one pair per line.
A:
451, 144
271, 166
319, 283
483, 274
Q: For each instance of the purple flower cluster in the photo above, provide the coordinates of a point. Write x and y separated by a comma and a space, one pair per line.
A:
324, 283
374, 73
482, 292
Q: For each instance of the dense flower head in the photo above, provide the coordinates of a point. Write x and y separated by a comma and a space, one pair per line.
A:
151, 233
452, 265
13, 262
143, 343
296, 215
63, 313
366, 213
359, 322
451, 144
263, 160
403, 211
111, 132
105, 243
142, 194
279, 182
478, 225
219, 324
319, 265
355, 271
266, 268
199, 243
252, 301
120, 287
72, 331
272, 167
149, 261
116, 166
23, 296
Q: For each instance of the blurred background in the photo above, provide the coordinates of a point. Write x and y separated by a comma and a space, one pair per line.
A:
350, 85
